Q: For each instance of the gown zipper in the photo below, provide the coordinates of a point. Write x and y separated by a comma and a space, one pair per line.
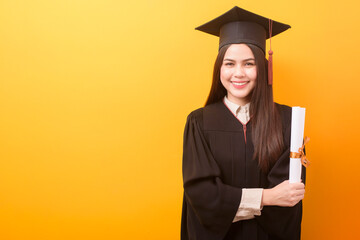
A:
244, 125
244, 128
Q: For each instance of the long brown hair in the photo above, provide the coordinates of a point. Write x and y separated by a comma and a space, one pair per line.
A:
265, 119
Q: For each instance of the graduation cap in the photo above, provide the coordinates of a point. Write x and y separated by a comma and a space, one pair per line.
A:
240, 26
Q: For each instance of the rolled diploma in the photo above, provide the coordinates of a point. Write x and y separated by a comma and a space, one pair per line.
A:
296, 141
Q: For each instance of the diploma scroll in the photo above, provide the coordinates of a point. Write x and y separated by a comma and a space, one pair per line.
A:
296, 142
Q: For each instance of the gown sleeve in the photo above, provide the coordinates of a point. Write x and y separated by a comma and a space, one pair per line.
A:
282, 222
213, 202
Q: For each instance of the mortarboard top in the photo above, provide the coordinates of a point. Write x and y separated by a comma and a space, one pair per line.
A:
240, 26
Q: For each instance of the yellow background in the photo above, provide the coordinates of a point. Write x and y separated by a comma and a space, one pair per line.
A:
94, 96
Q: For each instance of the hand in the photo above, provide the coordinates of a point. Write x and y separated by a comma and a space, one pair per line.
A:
284, 194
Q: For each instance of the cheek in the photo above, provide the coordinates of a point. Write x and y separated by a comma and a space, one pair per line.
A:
224, 74
252, 74
224, 78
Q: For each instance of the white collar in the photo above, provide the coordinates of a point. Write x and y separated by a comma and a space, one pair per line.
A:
235, 108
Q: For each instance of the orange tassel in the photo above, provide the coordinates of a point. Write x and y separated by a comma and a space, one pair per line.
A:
270, 68
270, 61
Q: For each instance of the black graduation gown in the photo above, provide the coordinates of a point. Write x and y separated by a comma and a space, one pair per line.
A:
217, 164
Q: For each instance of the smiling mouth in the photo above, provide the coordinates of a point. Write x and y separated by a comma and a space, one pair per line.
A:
239, 83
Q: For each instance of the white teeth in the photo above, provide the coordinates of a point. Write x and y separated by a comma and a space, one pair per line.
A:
239, 84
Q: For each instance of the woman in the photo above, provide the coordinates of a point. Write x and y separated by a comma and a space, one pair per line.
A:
236, 148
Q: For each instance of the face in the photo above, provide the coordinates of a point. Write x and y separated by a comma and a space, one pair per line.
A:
238, 73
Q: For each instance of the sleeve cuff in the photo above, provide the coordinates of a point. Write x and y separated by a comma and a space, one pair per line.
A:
250, 202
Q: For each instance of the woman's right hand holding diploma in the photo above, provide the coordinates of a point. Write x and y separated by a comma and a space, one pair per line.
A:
284, 194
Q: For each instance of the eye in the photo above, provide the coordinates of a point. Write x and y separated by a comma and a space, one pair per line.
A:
229, 64
249, 64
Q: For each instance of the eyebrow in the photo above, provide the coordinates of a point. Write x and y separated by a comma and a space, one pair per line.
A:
247, 59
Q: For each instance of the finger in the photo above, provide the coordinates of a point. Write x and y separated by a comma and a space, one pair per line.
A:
297, 185
299, 195
299, 191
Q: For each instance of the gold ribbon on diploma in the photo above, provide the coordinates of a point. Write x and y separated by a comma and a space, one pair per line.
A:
304, 161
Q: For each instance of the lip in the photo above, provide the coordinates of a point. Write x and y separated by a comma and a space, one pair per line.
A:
239, 86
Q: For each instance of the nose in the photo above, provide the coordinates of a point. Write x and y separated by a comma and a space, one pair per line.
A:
239, 72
